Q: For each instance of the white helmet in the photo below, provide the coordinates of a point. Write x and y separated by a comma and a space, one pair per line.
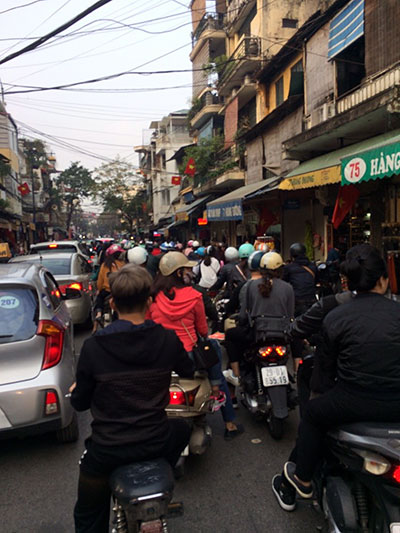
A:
195, 244
271, 261
231, 254
138, 256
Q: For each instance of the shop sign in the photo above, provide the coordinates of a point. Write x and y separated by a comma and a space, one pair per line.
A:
181, 217
316, 178
291, 204
227, 211
4, 249
378, 163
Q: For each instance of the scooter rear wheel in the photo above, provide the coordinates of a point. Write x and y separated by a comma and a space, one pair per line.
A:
275, 426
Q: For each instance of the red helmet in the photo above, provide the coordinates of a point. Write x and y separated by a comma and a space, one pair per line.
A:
113, 249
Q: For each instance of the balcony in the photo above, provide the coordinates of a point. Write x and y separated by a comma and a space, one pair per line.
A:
245, 59
211, 26
209, 104
362, 113
237, 12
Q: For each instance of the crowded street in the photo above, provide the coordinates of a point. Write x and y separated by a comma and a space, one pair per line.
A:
227, 489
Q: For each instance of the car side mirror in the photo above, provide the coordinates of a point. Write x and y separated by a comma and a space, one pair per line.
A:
72, 294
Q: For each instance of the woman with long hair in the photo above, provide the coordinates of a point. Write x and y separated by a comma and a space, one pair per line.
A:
112, 262
361, 362
207, 270
178, 306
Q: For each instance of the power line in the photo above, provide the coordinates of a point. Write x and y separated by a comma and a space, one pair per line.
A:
58, 30
18, 7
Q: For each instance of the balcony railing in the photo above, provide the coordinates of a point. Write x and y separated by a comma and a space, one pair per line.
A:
248, 48
236, 9
209, 21
370, 88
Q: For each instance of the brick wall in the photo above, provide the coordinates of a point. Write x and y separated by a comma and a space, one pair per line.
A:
382, 35
198, 10
200, 77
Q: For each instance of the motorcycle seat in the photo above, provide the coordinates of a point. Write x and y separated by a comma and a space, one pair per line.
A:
372, 429
138, 480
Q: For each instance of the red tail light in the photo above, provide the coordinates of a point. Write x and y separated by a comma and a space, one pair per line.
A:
51, 403
266, 351
272, 352
396, 474
280, 350
54, 336
76, 285
178, 397
53, 245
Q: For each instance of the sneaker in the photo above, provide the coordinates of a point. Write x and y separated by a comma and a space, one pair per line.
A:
235, 403
302, 490
218, 401
231, 378
285, 495
231, 434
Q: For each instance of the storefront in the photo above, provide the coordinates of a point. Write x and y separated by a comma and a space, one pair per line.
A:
185, 225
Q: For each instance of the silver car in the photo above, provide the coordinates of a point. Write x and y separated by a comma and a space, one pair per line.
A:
60, 247
37, 361
71, 270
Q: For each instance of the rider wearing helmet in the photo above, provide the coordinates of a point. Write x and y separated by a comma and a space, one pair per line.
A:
207, 269
267, 296
235, 272
302, 275
140, 257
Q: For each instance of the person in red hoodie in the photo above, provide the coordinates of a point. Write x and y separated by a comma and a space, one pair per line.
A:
178, 306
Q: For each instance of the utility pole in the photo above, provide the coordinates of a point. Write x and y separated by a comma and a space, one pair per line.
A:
31, 152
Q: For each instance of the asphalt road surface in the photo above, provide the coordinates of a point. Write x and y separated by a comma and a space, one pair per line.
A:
226, 490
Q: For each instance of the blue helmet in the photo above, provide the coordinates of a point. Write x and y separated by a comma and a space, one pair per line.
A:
245, 250
254, 260
164, 247
201, 251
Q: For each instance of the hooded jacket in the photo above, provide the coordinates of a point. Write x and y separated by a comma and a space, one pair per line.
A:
184, 314
123, 377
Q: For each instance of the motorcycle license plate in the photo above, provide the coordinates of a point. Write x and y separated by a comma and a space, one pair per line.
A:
274, 375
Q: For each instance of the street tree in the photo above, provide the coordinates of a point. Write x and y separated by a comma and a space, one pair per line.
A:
75, 184
121, 191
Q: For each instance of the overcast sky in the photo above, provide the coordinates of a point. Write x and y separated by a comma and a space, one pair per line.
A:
93, 119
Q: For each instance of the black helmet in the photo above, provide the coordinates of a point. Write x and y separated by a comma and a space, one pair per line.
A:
297, 249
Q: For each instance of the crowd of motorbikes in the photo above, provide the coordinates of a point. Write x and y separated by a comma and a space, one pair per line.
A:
357, 486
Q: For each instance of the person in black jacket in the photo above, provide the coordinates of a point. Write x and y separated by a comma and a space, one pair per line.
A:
366, 385
123, 377
302, 275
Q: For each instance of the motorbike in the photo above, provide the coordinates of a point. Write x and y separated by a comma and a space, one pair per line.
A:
265, 380
142, 494
358, 483
190, 399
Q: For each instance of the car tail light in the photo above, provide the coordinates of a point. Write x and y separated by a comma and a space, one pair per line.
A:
53, 246
75, 285
178, 397
395, 474
51, 403
54, 335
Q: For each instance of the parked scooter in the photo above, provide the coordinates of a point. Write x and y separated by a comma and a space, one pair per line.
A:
266, 389
190, 399
142, 494
358, 485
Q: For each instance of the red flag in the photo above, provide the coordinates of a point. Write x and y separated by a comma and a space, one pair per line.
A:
267, 218
24, 189
176, 180
347, 197
190, 169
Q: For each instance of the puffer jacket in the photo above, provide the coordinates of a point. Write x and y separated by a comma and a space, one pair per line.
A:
362, 345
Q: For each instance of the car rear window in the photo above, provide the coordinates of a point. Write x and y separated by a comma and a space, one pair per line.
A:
19, 314
57, 266
50, 248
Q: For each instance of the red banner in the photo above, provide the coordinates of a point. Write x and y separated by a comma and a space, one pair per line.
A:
24, 189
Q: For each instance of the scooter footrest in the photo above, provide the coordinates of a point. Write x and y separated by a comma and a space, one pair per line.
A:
175, 509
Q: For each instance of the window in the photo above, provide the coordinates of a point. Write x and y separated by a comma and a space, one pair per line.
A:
279, 92
19, 313
165, 197
296, 79
289, 23
350, 67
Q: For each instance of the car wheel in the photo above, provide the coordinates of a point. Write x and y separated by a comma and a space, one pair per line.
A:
70, 433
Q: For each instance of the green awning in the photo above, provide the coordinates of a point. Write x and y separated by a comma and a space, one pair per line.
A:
381, 159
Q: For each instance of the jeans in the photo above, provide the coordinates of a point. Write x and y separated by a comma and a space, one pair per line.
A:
341, 405
92, 509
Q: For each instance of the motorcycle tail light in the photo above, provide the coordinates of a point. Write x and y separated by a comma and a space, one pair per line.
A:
265, 351
179, 397
280, 350
375, 464
396, 473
